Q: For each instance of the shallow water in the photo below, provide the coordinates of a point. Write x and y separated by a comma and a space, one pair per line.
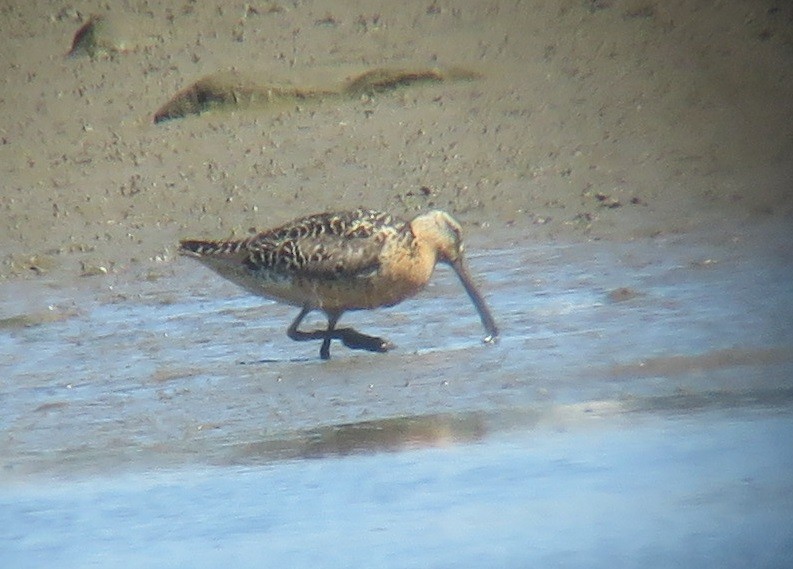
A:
638, 408
712, 490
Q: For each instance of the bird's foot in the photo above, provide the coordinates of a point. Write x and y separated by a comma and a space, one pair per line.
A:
358, 341
349, 337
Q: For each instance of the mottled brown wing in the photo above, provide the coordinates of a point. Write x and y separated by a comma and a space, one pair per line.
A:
325, 246
343, 224
320, 257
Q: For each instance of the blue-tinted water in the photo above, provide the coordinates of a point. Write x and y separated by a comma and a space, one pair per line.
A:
711, 490
637, 411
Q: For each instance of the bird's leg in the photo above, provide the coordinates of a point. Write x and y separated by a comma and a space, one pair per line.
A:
299, 335
325, 335
324, 351
348, 336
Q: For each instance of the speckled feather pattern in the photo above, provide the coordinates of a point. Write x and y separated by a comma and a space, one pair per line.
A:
327, 260
326, 245
336, 262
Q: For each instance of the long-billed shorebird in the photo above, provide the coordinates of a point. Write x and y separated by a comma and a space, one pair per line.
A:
336, 262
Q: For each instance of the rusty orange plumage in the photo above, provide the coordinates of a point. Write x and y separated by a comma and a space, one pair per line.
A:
342, 261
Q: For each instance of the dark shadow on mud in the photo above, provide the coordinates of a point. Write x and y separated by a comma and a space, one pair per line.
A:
278, 361
88, 40
228, 90
382, 435
685, 402
447, 429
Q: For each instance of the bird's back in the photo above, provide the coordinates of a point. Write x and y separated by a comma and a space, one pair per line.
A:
328, 260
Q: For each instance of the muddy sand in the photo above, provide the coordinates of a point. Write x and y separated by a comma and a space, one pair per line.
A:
617, 119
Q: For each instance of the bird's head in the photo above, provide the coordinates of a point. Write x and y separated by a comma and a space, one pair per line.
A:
442, 232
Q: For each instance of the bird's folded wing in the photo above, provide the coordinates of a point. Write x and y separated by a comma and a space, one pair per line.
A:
324, 257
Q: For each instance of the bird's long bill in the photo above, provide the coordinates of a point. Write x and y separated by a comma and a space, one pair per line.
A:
479, 302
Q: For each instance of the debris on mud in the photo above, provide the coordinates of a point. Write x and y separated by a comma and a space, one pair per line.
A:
233, 90
98, 37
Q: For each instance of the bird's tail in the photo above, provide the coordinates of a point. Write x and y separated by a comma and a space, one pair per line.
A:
199, 248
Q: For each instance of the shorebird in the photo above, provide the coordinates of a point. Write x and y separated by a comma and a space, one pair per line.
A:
337, 262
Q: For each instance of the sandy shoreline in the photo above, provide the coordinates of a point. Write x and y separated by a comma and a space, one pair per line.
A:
614, 119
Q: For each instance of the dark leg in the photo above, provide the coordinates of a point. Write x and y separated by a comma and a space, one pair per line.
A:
349, 336
324, 351
325, 335
299, 336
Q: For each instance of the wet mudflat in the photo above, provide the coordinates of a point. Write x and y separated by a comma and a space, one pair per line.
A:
712, 490
639, 406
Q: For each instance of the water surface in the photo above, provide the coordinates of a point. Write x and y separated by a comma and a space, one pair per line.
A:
637, 410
